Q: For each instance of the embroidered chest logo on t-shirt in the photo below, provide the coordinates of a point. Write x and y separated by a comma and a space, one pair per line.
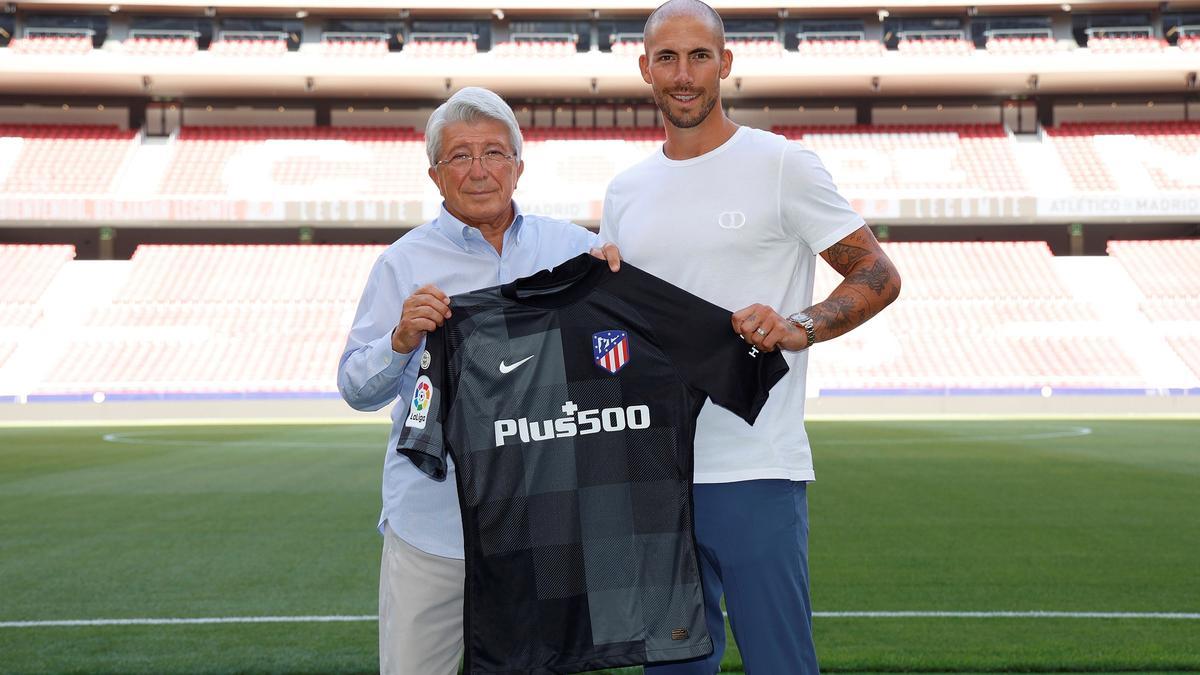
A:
731, 220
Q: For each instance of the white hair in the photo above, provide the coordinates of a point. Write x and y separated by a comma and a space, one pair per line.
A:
470, 105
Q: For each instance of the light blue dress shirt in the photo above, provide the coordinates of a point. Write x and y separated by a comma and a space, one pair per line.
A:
456, 258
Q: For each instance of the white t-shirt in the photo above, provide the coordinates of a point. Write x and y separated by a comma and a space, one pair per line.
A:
738, 225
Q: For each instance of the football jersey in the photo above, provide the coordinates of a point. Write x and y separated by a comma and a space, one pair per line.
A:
567, 401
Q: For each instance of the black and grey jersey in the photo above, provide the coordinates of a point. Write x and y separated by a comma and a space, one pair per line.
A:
567, 401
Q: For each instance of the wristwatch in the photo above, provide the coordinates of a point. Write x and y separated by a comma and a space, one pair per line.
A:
802, 320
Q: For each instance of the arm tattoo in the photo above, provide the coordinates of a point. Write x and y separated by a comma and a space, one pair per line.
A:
843, 256
876, 278
870, 283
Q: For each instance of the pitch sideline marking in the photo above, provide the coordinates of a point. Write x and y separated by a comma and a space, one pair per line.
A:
147, 438
831, 615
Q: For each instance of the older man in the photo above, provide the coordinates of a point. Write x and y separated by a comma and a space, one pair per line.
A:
480, 238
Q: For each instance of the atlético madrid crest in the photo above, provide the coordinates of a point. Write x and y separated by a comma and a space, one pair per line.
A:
610, 349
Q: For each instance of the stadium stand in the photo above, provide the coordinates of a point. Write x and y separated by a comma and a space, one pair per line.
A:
220, 319
1164, 151
440, 48
535, 49
760, 48
69, 159
973, 315
345, 161
68, 45
936, 47
967, 157
248, 273
629, 134
969, 270
25, 273
1125, 45
1168, 274
1188, 349
1162, 269
27, 269
977, 315
840, 48
160, 46
1097, 157
272, 318
629, 48
249, 48
355, 48
223, 347
1021, 46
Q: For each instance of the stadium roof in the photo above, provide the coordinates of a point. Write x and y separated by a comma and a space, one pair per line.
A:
565, 7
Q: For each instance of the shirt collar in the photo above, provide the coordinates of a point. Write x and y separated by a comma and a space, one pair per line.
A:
457, 231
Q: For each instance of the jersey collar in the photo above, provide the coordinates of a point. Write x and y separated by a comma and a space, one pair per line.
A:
563, 285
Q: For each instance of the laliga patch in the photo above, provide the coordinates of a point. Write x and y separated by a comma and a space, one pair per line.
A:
425, 359
418, 410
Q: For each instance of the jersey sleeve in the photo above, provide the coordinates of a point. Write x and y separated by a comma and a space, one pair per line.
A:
698, 337
421, 436
810, 206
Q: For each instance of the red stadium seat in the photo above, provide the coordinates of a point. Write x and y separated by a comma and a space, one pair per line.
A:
1164, 151
1021, 46
154, 46
66, 159
249, 48
338, 161
936, 47
52, 46
840, 48
977, 158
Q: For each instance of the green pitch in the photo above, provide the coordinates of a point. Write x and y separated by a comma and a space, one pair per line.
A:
255, 521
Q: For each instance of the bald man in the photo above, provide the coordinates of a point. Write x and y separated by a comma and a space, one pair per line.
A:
738, 216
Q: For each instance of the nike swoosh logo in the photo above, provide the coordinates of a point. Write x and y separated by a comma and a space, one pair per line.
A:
506, 369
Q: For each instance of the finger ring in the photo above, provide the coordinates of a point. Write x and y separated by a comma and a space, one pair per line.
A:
760, 331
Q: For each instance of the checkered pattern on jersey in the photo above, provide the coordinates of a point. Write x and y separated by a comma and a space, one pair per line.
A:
588, 537
574, 472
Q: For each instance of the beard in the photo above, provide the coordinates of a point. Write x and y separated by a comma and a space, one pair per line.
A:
684, 120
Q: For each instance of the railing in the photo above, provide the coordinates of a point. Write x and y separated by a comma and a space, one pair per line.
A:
164, 33
545, 37
753, 35
34, 31
948, 34
239, 35
354, 36
442, 37
1120, 32
1018, 33
827, 35
614, 38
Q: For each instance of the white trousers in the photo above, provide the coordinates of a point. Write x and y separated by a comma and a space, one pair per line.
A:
420, 610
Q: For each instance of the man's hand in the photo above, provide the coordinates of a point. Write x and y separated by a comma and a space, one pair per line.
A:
765, 329
610, 253
425, 310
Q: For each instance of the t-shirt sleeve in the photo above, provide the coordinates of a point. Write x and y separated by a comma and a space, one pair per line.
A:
698, 338
421, 436
609, 219
810, 206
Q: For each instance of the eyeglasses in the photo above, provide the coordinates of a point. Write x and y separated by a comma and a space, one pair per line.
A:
490, 160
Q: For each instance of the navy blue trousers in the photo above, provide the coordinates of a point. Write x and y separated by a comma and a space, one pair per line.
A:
753, 549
